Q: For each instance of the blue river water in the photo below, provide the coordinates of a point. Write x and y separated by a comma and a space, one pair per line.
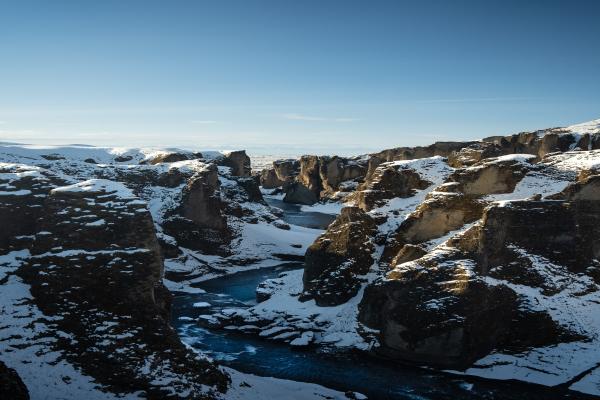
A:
375, 378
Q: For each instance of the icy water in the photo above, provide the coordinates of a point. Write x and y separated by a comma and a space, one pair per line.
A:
294, 215
374, 378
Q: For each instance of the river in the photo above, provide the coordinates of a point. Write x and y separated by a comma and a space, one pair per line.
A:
375, 378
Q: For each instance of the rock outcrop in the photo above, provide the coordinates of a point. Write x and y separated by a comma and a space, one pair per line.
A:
91, 258
337, 259
459, 303
388, 181
169, 158
11, 385
238, 161
281, 172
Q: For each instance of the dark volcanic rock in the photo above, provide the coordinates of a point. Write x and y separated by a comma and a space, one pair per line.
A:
335, 261
11, 385
201, 202
95, 270
456, 304
566, 233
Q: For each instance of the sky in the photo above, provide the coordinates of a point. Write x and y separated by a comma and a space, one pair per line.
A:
288, 77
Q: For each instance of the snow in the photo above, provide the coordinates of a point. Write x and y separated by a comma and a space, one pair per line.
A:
251, 387
433, 169
201, 304
573, 306
24, 323
16, 193
305, 321
574, 161
333, 208
98, 186
589, 127
520, 158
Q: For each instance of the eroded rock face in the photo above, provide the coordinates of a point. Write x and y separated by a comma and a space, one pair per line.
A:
337, 259
586, 188
542, 227
386, 182
439, 214
460, 302
281, 172
433, 312
443, 149
201, 203
239, 162
200, 222
296, 192
473, 154
286, 169
309, 175
489, 176
335, 170
269, 179
11, 385
93, 264
169, 158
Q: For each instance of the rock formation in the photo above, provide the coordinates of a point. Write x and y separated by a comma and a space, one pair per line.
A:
238, 161
11, 385
335, 261
459, 303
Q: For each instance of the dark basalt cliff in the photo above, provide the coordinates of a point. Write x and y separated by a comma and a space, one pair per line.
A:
452, 307
90, 255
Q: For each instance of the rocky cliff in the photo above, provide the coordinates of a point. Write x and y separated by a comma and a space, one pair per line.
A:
94, 240
477, 257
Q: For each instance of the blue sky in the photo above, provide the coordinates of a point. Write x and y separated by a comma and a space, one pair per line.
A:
294, 76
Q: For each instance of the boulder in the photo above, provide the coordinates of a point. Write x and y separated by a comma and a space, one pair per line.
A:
335, 262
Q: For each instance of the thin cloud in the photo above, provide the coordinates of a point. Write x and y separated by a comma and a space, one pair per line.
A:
204, 121
478, 99
301, 117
